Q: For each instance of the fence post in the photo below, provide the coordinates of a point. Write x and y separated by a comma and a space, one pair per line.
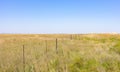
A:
46, 46
46, 54
56, 46
71, 36
23, 58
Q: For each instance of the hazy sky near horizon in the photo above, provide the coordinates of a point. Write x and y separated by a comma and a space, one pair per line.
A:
59, 16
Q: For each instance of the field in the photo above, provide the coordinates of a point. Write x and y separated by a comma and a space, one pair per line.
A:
59, 53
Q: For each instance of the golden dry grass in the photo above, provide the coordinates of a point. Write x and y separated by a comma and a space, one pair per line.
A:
76, 53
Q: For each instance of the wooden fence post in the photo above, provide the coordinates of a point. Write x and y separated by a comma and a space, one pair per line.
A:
46, 46
71, 36
46, 54
23, 58
56, 46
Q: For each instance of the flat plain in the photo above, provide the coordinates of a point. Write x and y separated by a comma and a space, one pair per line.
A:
59, 52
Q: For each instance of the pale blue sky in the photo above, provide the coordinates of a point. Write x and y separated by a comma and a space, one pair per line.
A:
59, 16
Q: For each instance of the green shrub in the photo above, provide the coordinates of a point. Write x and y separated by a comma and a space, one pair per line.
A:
76, 65
116, 48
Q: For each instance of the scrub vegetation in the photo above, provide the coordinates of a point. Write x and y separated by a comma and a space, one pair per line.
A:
71, 53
